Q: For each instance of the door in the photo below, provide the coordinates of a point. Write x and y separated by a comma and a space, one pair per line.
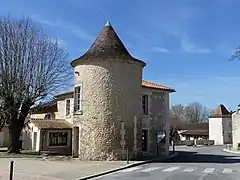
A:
34, 141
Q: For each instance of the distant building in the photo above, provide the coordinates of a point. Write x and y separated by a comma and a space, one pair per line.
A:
220, 126
192, 131
236, 128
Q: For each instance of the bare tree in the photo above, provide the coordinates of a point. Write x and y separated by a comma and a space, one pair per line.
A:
196, 113
236, 54
32, 66
191, 113
177, 112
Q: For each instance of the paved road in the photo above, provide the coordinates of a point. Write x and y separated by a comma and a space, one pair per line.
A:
205, 163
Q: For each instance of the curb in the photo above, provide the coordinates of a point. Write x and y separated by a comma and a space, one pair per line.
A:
129, 166
229, 151
22, 157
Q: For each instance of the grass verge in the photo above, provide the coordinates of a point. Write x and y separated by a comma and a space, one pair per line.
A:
21, 154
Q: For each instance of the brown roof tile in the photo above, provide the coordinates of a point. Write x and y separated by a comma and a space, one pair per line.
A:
220, 111
196, 132
146, 84
192, 126
51, 124
156, 86
107, 46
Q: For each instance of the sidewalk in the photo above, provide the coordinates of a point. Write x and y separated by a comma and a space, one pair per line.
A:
37, 169
231, 151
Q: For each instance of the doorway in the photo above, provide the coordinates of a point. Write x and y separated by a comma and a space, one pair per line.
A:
144, 140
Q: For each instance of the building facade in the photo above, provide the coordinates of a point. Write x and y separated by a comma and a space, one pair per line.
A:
236, 129
220, 126
111, 108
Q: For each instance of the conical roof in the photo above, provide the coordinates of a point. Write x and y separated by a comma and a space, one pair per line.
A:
107, 46
220, 111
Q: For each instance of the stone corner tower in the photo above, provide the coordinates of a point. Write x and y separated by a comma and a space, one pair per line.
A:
110, 98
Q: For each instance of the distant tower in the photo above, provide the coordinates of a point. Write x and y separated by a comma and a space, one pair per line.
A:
111, 84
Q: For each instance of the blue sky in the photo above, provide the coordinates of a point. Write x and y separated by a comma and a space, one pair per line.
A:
186, 44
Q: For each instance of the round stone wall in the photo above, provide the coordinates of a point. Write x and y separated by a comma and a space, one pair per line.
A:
111, 94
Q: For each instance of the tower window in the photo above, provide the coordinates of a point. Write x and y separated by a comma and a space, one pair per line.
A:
145, 104
77, 98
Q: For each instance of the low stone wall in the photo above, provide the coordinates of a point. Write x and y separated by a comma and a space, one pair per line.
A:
198, 142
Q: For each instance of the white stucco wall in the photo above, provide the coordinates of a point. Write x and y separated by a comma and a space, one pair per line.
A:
236, 129
28, 138
61, 110
61, 106
215, 130
38, 116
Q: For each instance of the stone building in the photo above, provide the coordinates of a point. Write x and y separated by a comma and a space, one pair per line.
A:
111, 108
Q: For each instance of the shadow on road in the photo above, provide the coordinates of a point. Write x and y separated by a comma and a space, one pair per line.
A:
194, 157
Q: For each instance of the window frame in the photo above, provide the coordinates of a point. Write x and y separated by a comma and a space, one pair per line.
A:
147, 104
66, 108
76, 104
52, 145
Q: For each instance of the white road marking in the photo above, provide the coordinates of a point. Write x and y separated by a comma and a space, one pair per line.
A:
227, 170
209, 170
130, 169
150, 169
171, 169
188, 170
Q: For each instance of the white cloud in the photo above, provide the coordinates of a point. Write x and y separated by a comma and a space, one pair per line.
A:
188, 46
78, 32
160, 49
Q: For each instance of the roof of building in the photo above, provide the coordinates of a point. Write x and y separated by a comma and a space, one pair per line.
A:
51, 123
145, 84
196, 132
44, 105
220, 111
156, 86
192, 126
107, 46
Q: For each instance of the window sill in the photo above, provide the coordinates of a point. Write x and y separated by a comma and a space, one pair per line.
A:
146, 115
58, 146
80, 112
